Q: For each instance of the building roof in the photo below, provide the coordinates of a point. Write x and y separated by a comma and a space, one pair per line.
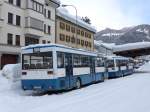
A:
131, 46
63, 13
109, 46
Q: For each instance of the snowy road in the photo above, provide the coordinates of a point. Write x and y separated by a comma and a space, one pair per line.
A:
127, 94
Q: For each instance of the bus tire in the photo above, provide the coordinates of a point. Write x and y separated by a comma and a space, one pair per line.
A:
78, 83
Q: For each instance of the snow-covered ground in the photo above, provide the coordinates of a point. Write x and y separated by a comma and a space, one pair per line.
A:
127, 94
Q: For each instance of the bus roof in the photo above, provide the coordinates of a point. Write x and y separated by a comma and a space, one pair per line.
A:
117, 57
58, 47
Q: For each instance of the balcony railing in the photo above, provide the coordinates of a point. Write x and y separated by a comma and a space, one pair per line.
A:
10, 48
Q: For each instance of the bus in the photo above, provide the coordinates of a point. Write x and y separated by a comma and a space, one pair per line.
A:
53, 67
118, 66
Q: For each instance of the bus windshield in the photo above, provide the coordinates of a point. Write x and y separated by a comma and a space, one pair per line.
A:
42, 60
110, 63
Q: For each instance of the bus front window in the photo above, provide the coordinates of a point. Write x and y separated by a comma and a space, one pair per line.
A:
37, 60
110, 63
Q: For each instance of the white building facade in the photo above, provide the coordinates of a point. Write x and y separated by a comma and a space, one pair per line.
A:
25, 22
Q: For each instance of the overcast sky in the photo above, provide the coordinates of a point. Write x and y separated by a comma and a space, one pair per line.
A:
112, 13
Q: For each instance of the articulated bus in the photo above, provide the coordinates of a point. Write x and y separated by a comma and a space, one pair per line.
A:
52, 67
118, 66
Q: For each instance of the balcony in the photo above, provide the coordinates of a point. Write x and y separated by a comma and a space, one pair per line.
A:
10, 49
31, 32
34, 27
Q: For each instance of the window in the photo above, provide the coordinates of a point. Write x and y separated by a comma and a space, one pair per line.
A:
37, 6
110, 63
10, 39
18, 3
67, 27
44, 28
60, 60
82, 33
18, 40
100, 62
29, 41
86, 35
78, 32
72, 29
44, 12
67, 38
11, 1
43, 60
89, 44
43, 41
77, 61
18, 20
89, 35
62, 37
78, 41
10, 18
62, 25
72, 39
86, 43
49, 14
49, 29
82, 42
81, 61
48, 41
85, 61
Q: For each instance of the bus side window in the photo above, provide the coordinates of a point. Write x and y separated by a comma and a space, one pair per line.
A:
77, 60
60, 60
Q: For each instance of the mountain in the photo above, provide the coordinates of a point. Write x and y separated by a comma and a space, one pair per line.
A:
126, 35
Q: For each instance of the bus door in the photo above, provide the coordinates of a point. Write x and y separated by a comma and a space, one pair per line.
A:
69, 70
92, 68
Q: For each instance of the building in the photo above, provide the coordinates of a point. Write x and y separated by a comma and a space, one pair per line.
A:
24, 22
73, 32
105, 49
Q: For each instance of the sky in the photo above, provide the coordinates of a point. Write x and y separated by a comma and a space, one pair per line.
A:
112, 13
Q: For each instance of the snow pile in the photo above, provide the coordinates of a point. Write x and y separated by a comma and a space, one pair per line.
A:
12, 71
127, 94
131, 46
145, 67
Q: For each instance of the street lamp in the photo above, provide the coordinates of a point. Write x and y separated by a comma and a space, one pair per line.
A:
76, 19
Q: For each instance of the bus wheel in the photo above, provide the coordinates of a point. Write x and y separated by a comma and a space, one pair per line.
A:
78, 84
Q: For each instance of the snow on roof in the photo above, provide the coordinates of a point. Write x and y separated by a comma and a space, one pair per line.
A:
106, 45
116, 57
56, 1
41, 45
131, 46
63, 13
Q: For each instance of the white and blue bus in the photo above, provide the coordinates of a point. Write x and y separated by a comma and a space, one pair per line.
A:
118, 66
52, 67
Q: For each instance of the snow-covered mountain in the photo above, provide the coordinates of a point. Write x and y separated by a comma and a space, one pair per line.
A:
126, 35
